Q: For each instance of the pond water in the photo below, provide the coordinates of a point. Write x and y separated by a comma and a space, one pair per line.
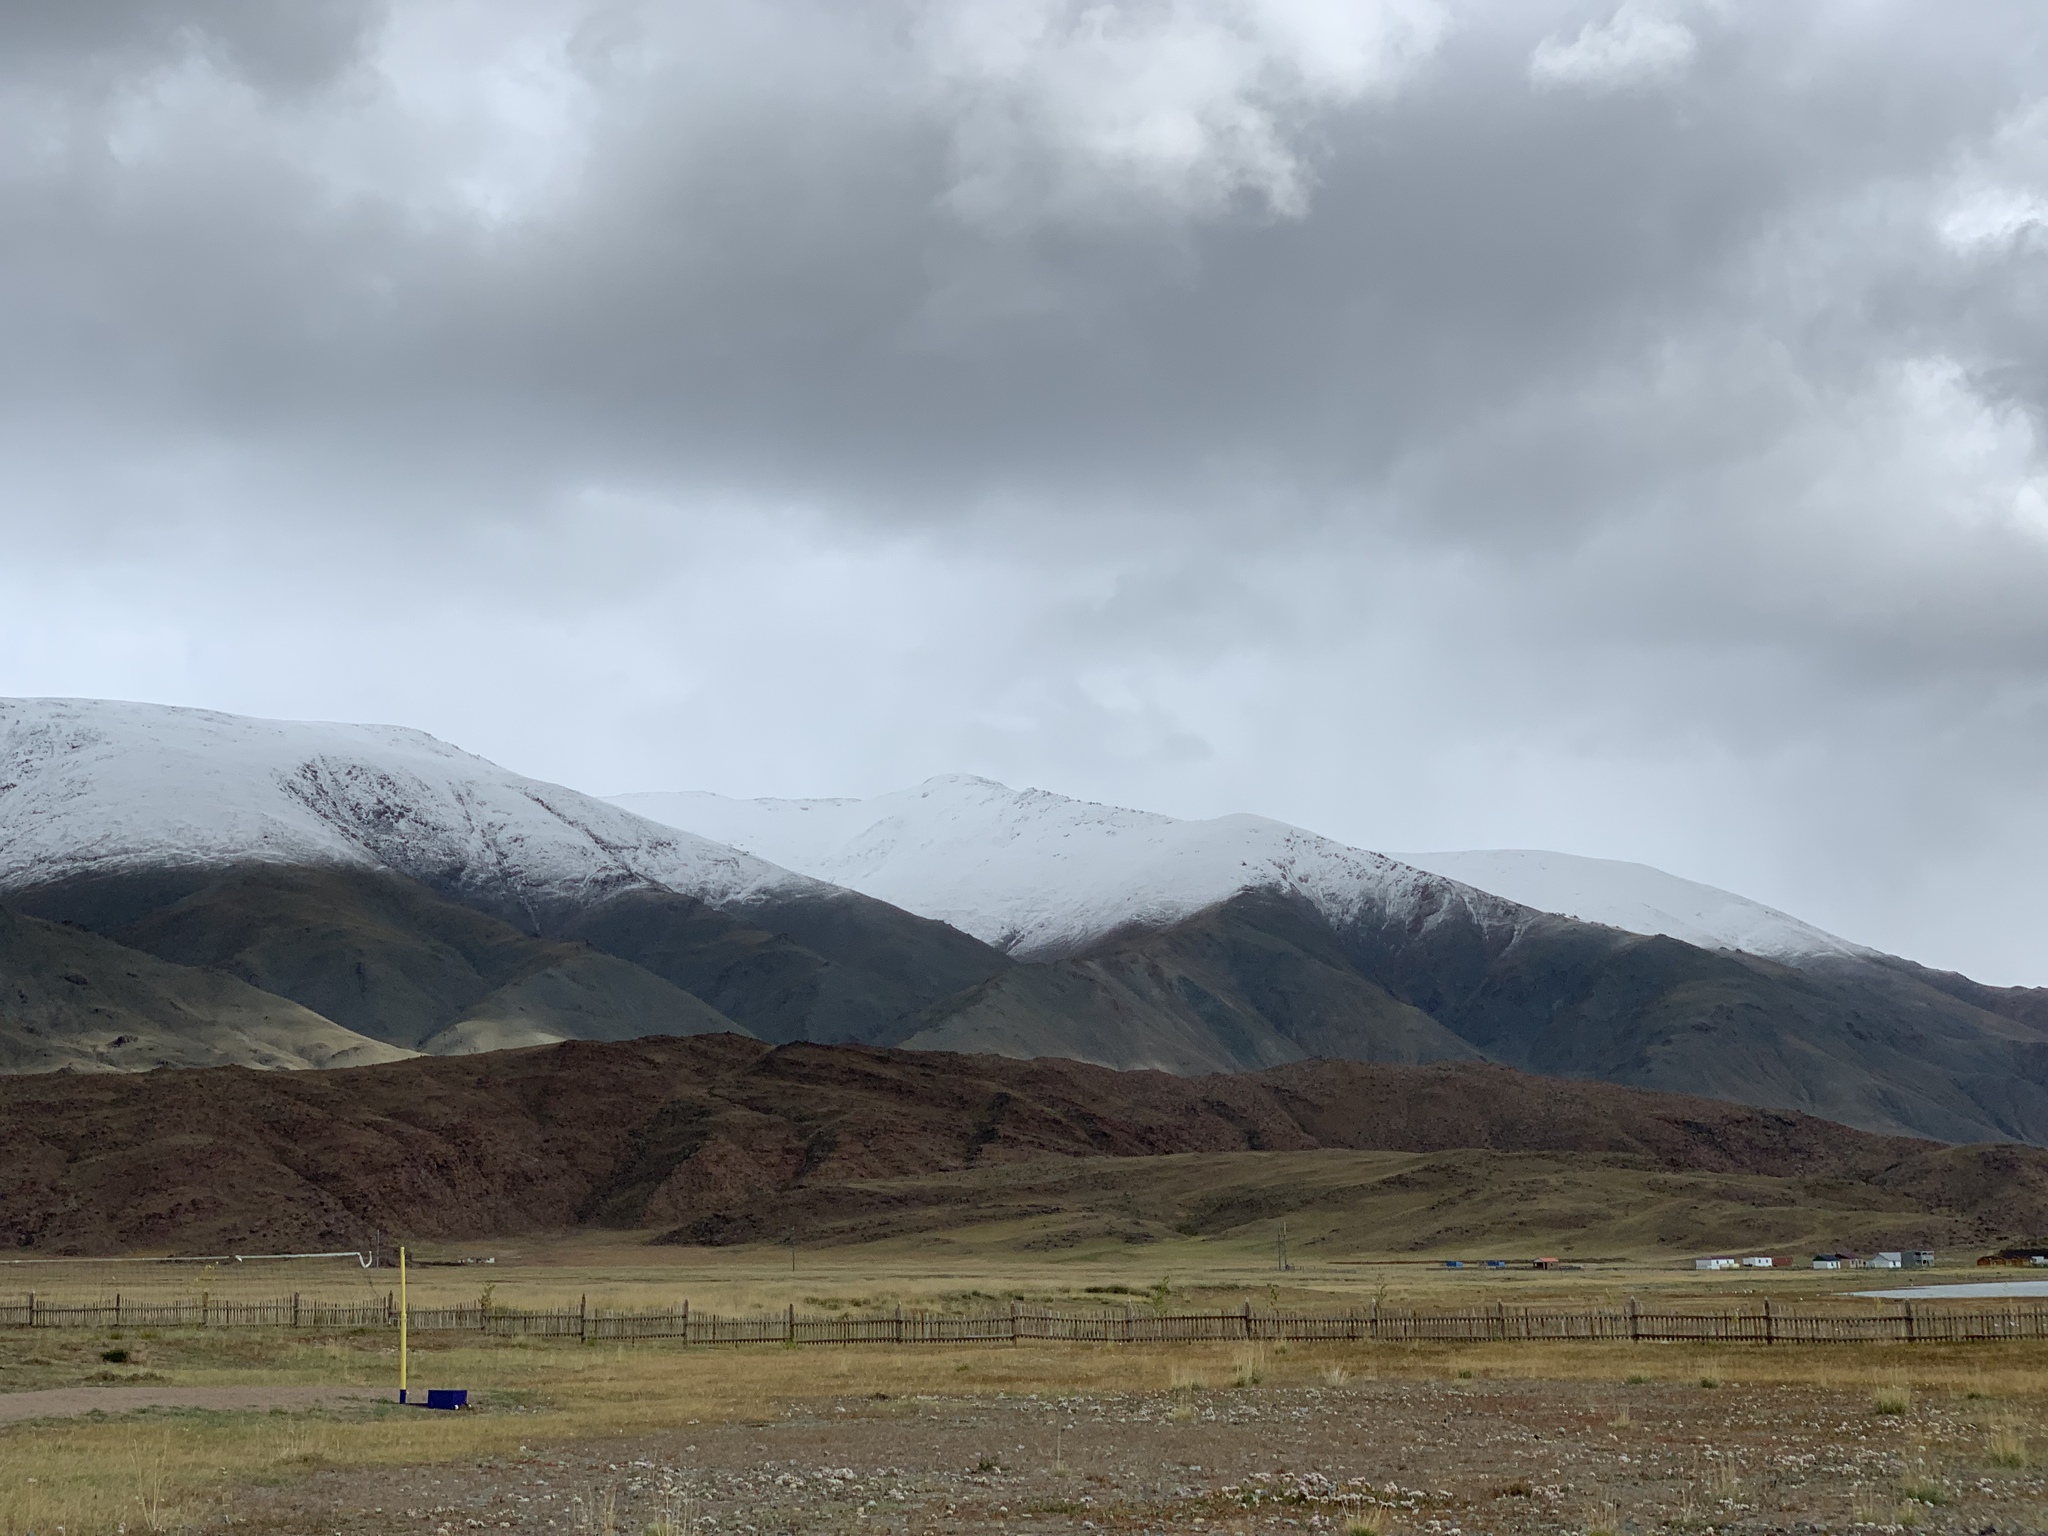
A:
1961, 1292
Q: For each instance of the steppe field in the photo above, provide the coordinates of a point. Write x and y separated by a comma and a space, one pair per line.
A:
277, 1430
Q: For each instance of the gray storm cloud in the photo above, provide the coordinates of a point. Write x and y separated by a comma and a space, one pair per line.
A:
1605, 427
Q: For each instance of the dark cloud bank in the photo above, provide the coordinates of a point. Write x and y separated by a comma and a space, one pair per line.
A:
1438, 424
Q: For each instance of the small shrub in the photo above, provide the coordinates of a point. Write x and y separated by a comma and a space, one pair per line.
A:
114, 1356
1710, 1382
1518, 1489
1464, 1375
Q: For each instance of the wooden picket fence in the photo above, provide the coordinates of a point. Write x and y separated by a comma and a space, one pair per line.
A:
1900, 1322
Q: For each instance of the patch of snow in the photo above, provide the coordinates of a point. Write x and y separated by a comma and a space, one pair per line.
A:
1038, 874
1636, 898
93, 786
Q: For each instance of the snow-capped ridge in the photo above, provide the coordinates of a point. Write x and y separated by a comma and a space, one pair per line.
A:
1639, 899
1037, 873
98, 787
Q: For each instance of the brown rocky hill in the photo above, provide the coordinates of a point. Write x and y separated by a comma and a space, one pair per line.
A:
705, 1136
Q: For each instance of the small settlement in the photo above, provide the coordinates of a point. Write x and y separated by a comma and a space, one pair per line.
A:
1894, 1258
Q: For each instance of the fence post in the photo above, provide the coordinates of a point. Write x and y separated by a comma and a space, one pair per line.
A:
789, 1326
1246, 1327
686, 1322
117, 1309
1500, 1320
583, 1318
205, 1306
31, 1309
1770, 1324
1635, 1325
899, 1321
1013, 1320
1912, 1330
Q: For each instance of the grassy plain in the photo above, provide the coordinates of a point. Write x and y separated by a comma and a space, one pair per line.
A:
1182, 1233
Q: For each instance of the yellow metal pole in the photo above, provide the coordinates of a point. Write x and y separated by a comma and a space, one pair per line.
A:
401, 1325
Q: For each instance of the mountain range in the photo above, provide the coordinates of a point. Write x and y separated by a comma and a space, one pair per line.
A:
185, 888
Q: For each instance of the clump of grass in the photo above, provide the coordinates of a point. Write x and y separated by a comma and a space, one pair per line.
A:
1335, 1376
1638, 1379
1363, 1527
2006, 1447
1869, 1509
1710, 1382
1925, 1490
597, 1513
676, 1514
1251, 1366
1893, 1399
1621, 1420
1465, 1374
1604, 1520
1723, 1485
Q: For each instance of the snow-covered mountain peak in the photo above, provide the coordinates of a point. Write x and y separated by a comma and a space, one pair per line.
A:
94, 787
1038, 873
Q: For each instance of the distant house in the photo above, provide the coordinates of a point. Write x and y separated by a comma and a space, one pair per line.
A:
1836, 1261
1547, 1262
1758, 1261
1890, 1259
1919, 1258
1715, 1263
2015, 1256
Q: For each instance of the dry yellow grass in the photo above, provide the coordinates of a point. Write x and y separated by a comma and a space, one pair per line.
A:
958, 1270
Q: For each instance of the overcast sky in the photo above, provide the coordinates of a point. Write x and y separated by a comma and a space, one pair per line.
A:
1436, 423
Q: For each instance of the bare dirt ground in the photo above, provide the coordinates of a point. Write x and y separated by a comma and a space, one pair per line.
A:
69, 1402
1438, 1457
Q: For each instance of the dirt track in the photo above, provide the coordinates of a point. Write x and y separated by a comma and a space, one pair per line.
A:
69, 1402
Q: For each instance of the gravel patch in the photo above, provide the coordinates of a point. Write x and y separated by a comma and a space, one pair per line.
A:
1444, 1458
